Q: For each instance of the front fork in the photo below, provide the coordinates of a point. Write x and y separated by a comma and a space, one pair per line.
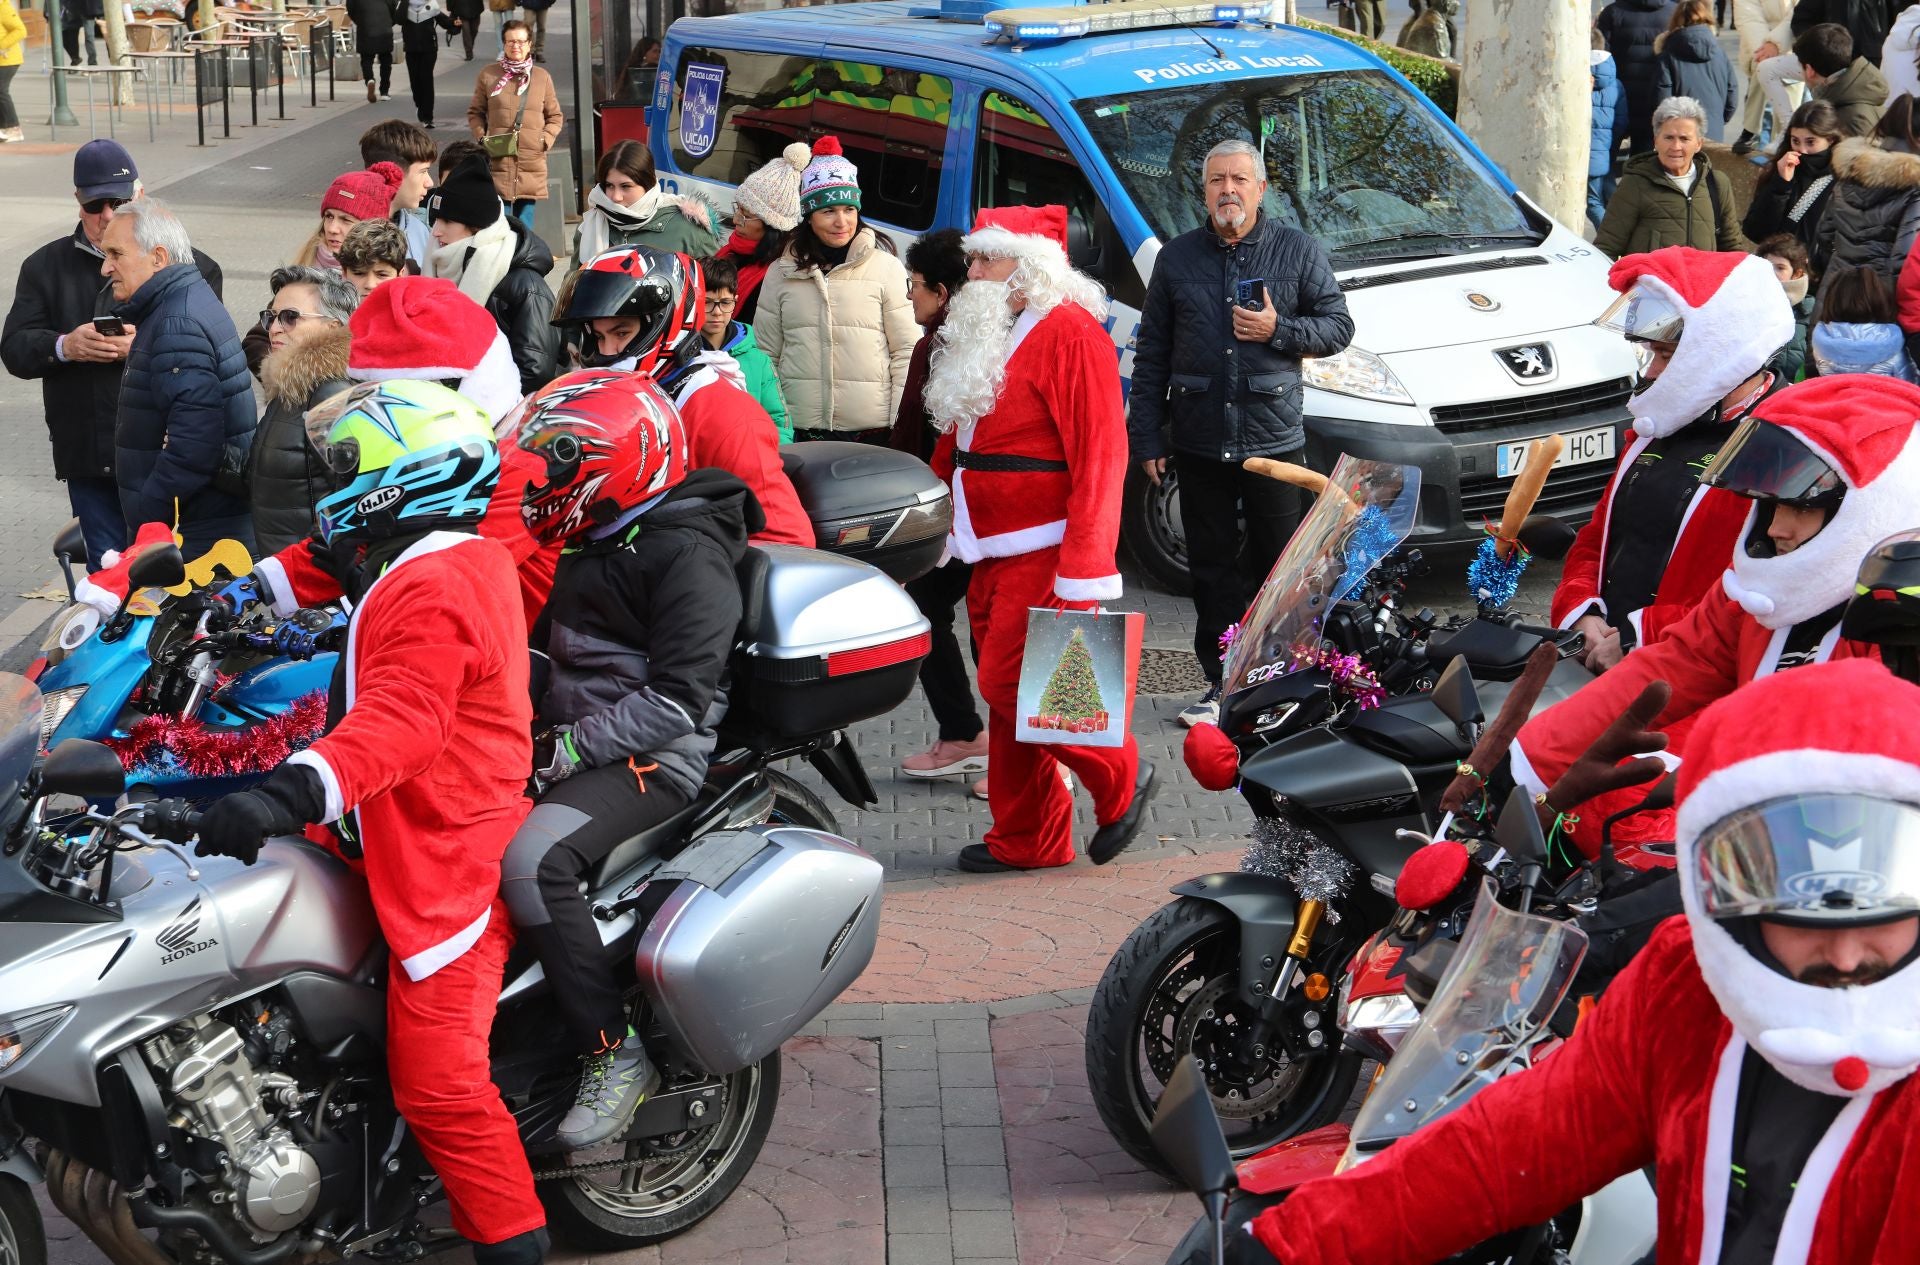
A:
1268, 1020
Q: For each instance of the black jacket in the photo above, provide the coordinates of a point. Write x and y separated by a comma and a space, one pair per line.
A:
59, 288
285, 477
1866, 20
1630, 28
419, 37
186, 397
639, 628
1228, 400
372, 25
522, 306
1873, 216
1781, 206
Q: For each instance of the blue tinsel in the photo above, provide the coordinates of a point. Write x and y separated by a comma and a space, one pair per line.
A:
1492, 580
1371, 539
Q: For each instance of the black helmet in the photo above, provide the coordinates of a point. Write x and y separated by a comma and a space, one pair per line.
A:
1768, 463
664, 291
1885, 607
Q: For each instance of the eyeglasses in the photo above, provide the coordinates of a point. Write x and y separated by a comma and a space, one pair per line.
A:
741, 213
720, 305
99, 205
288, 317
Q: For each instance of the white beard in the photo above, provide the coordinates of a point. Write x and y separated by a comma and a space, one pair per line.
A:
1229, 215
970, 356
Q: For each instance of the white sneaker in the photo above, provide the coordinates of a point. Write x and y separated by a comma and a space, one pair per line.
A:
1204, 712
11, 135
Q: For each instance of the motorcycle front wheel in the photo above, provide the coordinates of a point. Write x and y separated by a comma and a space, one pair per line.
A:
1171, 990
23, 1240
662, 1186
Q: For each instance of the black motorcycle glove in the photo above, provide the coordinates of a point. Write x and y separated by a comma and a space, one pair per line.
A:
236, 825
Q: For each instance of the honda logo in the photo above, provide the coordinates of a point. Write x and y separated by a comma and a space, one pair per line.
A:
178, 939
1529, 363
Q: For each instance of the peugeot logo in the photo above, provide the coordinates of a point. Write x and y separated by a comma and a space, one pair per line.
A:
1529, 363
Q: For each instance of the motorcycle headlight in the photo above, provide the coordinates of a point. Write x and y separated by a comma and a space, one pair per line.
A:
1354, 372
20, 1033
54, 706
1382, 1021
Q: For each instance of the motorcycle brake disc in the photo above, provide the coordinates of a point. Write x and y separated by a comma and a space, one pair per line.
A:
1208, 1027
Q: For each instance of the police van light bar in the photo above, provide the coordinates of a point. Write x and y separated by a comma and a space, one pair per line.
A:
1056, 23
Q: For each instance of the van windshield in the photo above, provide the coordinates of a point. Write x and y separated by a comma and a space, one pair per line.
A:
1352, 158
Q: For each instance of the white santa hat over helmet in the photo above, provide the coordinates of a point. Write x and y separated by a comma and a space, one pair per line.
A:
1035, 237
424, 328
1862, 427
1844, 728
1734, 315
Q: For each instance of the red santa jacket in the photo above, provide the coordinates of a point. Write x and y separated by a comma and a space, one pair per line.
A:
432, 752
728, 430
1061, 402
1714, 650
1650, 1077
1708, 534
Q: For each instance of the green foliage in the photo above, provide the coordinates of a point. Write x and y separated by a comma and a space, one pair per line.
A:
1072, 691
1439, 80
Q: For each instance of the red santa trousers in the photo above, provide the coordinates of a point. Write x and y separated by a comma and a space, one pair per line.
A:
443, 1085
1032, 810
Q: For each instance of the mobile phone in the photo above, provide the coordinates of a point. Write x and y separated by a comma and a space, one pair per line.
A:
108, 326
1251, 294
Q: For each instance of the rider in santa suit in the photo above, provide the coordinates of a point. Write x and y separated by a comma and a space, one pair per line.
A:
1025, 387
1759, 1053
1830, 467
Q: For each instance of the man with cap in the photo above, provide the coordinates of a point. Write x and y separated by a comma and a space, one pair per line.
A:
50, 334
1759, 1053
1025, 388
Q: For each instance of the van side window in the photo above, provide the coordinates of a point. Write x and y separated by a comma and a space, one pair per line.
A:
893, 125
765, 103
1019, 160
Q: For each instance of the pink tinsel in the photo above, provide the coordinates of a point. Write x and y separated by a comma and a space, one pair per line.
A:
202, 752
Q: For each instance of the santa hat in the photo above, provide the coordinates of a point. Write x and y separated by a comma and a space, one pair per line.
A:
106, 588
1844, 727
365, 195
424, 328
1736, 315
1863, 426
830, 179
1038, 233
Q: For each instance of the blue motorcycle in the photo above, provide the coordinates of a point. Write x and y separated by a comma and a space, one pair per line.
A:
197, 701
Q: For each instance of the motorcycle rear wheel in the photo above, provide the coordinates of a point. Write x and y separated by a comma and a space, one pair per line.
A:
795, 805
673, 1182
23, 1239
1178, 968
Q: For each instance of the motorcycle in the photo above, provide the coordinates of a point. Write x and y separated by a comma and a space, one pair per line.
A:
196, 1045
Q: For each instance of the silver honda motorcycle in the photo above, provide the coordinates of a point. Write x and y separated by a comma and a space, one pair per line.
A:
192, 1050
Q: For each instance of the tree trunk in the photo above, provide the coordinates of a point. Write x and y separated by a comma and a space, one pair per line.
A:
1524, 98
116, 20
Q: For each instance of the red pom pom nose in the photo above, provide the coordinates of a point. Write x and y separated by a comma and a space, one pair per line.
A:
1851, 1074
1430, 874
1211, 757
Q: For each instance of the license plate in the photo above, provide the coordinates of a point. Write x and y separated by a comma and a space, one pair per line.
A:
1583, 446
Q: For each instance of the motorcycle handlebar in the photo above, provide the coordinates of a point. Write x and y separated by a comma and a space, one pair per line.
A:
174, 819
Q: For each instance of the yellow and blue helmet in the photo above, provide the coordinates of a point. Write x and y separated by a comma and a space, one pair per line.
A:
407, 457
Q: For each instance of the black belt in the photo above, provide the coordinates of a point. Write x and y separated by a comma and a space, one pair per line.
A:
1005, 463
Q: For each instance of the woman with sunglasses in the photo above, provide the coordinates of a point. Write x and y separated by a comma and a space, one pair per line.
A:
307, 331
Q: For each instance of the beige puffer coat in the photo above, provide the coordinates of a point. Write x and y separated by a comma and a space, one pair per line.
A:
840, 342
525, 174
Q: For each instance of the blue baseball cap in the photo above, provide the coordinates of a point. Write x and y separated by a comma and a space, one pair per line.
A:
104, 169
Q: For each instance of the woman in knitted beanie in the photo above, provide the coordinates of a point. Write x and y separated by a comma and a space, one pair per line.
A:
833, 311
766, 208
355, 196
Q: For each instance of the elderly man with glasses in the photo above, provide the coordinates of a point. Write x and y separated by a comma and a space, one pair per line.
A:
61, 331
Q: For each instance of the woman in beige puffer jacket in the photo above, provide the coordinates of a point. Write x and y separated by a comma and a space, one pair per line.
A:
839, 327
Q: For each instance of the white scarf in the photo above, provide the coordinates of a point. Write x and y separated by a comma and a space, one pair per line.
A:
604, 215
424, 10
477, 264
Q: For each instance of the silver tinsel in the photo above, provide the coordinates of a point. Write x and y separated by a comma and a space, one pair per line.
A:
1283, 850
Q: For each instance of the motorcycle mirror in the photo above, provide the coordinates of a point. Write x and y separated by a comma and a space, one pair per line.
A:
1661, 796
1188, 1133
1455, 696
1518, 830
79, 767
1545, 536
69, 547
160, 568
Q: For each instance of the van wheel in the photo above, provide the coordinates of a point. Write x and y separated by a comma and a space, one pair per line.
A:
795, 805
1150, 528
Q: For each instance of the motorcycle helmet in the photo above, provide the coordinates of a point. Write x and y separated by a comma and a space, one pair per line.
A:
1773, 466
407, 457
1885, 607
1642, 314
665, 292
610, 441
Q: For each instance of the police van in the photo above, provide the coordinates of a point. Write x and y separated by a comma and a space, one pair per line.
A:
1470, 304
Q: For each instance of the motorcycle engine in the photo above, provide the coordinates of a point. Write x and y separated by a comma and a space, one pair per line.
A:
215, 1092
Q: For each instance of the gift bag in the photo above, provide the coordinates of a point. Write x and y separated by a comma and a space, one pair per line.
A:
1077, 676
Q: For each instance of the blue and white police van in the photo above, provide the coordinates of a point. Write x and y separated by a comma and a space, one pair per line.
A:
1471, 305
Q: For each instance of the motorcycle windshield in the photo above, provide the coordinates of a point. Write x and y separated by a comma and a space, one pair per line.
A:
20, 709
1364, 512
1509, 973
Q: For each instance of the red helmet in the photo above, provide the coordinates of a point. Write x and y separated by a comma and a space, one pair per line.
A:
609, 440
665, 292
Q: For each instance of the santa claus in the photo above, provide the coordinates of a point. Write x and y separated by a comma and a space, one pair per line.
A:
1025, 388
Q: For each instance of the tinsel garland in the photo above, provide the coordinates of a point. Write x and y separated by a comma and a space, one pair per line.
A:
1494, 580
1371, 539
1317, 871
1353, 681
174, 746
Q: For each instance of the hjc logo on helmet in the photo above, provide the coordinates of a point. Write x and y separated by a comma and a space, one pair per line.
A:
379, 499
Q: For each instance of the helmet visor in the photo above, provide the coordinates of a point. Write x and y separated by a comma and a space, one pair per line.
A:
1817, 860
1643, 316
1766, 462
593, 295
341, 457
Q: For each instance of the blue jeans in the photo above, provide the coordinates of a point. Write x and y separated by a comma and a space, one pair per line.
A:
1599, 193
523, 211
96, 503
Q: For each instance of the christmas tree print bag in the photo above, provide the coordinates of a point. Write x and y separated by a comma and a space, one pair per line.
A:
1078, 675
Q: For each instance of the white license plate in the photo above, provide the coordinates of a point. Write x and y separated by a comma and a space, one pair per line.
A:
1582, 447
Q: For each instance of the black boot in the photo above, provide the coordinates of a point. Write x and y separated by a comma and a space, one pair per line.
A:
1744, 145
529, 1248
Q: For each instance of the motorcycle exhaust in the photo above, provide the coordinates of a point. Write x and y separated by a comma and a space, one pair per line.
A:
94, 1202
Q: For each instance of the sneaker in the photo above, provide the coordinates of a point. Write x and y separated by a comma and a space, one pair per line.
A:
1066, 780
372, 94
386, 96
948, 759
613, 1084
11, 135
980, 789
1204, 712
1744, 145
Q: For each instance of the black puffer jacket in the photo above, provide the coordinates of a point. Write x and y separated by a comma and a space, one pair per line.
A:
1866, 20
639, 628
372, 25
420, 36
285, 478
1873, 216
1228, 400
522, 306
1630, 28
59, 288
1791, 206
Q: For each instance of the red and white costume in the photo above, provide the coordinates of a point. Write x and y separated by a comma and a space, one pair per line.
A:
728, 430
1864, 427
1653, 1075
1039, 536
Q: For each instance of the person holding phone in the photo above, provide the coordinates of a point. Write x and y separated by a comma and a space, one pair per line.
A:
1234, 305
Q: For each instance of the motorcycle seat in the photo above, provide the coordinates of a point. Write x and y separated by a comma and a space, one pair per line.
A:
649, 842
